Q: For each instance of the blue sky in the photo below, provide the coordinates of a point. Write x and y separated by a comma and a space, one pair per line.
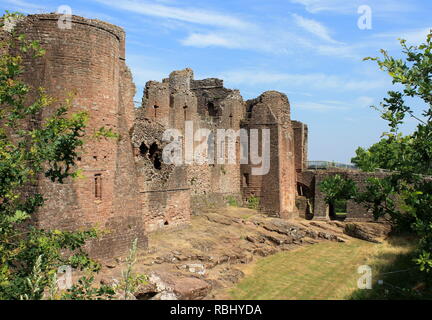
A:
311, 50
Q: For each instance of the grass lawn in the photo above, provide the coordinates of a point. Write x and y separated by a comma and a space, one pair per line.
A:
328, 270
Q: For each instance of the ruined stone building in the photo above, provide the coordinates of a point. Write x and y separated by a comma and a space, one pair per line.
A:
126, 188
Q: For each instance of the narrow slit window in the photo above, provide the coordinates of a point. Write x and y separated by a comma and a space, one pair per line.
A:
156, 107
185, 112
98, 186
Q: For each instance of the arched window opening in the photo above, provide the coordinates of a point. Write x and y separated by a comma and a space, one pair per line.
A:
185, 113
155, 107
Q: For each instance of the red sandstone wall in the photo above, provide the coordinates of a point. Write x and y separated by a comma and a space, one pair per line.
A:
287, 174
300, 145
355, 211
87, 60
166, 196
277, 189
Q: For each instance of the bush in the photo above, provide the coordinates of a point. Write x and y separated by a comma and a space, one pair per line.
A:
232, 201
253, 203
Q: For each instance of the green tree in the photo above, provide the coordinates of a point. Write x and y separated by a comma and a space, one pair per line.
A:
29, 257
337, 188
407, 157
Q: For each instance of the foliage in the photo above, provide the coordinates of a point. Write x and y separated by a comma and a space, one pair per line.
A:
337, 188
232, 201
84, 290
130, 282
394, 276
253, 203
340, 207
106, 133
29, 256
223, 170
409, 157
383, 155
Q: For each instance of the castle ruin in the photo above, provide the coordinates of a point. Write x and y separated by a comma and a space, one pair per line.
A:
126, 187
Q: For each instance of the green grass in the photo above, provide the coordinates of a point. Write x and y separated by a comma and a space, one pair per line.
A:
401, 278
253, 203
232, 201
328, 270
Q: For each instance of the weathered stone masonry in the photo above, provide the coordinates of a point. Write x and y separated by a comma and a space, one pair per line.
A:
179, 98
89, 60
127, 189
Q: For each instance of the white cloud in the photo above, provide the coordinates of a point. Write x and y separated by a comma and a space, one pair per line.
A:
191, 15
341, 51
314, 27
317, 81
217, 29
210, 39
145, 68
414, 37
272, 41
318, 106
365, 101
315, 6
24, 6
379, 8
321, 106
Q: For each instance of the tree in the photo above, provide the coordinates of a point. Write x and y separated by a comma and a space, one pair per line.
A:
337, 188
29, 257
408, 157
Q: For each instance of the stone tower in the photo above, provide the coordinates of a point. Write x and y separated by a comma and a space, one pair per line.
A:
277, 188
89, 60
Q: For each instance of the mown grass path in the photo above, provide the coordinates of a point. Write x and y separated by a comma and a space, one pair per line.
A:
326, 270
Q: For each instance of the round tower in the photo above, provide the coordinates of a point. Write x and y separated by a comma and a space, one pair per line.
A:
87, 60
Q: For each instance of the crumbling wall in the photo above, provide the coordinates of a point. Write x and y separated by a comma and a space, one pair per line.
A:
164, 195
276, 190
218, 108
305, 193
300, 145
206, 104
355, 211
164, 192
